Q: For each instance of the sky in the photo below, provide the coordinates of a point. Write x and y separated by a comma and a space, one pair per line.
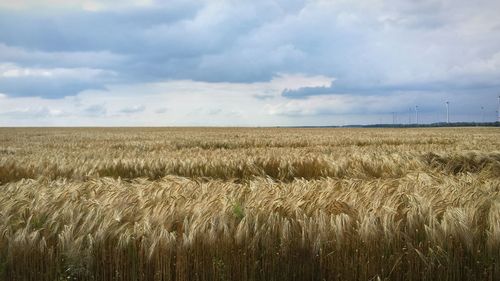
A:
247, 63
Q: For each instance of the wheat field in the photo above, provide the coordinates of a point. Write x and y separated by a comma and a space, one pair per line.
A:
249, 204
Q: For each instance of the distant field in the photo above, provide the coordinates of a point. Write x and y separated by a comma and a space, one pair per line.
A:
249, 204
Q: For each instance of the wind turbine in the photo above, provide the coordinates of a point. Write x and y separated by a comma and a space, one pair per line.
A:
416, 114
482, 114
498, 110
448, 112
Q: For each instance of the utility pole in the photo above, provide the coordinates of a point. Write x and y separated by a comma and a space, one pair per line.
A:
447, 112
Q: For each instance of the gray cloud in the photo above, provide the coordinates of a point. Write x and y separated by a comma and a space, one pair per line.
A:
132, 109
95, 110
457, 86
431, 105
161, 110
380, 48
44, 87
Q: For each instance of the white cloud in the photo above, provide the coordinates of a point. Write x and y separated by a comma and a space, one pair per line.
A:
297, 81
36, 112
88, 5
184, 102
9, 70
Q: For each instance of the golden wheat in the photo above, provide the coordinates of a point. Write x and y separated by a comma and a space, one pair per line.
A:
249, 204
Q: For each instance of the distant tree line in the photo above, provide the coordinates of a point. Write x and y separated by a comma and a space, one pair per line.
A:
439, 124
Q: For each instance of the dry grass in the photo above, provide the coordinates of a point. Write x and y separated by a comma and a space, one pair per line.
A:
250, 204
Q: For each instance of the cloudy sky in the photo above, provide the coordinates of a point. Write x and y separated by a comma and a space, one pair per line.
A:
247, 63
